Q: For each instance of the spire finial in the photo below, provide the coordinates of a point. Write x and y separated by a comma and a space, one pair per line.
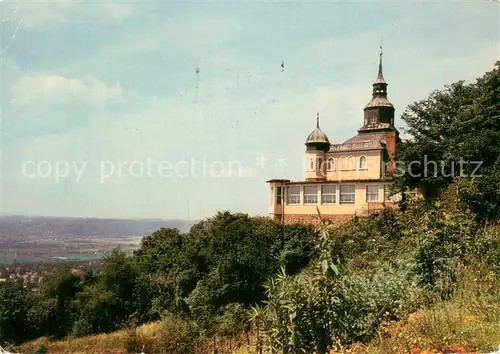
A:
380, 76
317, 120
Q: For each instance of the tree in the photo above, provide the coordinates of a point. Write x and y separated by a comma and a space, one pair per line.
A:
96, 311
51, 314
455, 137
14, 305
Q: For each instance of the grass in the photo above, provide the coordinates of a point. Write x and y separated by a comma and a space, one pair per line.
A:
108, 343
470, 320
436, 330
114, 343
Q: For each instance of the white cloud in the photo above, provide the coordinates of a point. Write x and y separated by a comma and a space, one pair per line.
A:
54, 88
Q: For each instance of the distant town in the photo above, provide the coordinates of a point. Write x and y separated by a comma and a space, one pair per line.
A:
31, 247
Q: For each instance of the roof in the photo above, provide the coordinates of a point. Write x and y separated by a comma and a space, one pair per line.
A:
368, 137
363, 141
317, 136
278, 180
379, 101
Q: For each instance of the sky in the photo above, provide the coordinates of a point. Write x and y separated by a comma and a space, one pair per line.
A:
180, 109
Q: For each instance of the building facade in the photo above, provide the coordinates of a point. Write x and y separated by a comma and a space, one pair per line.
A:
343, 180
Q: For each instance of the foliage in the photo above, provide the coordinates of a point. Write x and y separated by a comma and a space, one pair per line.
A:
176, 336
57, 292
363, 277
330, 304
375, 271
211, 274
222, 260
454, 130
14, 309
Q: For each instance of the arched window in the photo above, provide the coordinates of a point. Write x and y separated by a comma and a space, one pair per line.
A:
330, 164
311, 168
363, 165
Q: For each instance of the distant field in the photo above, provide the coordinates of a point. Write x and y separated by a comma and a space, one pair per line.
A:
74, 250
40, 239
6, 258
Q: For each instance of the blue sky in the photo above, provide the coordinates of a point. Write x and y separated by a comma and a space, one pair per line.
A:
107, 92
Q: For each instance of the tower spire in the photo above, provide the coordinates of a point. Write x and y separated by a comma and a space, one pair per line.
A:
380, 75
317, 120
379, 112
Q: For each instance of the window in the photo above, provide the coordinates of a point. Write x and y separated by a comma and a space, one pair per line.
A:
330, 164
320, 165
347, 193
271, 196
293, 195
328, 194
347, 163
310, 195
312, 165
363, 165
278, 195
373, 120
372, 193
387, 193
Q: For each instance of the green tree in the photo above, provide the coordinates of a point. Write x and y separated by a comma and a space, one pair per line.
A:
52, 314
96, 311
14, 306
457, 128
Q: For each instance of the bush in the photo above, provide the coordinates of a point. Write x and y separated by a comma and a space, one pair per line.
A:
176, 335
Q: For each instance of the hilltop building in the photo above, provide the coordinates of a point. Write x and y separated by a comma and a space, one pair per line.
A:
343, 180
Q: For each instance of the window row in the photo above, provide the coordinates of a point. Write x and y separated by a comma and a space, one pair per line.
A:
346, 163
327, 194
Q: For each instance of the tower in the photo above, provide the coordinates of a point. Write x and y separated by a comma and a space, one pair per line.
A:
379, 112
317, 144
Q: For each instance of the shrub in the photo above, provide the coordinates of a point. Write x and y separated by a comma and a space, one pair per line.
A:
176, 335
